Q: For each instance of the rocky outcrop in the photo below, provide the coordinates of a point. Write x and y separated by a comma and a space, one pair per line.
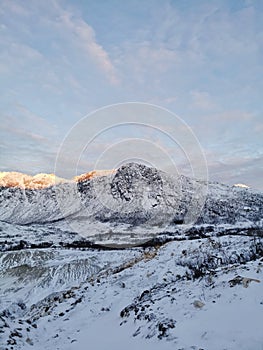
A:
55, 272
134, 195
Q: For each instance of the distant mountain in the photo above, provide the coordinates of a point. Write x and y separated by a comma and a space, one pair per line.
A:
134, 195
20, 180
42, 180
189, 268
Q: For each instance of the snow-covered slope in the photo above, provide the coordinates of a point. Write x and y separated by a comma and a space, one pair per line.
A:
133, 258
134, 198
198, 294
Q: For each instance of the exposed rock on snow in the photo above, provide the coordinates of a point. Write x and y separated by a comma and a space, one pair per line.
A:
181, 287
134, 198
245, 281
198, 304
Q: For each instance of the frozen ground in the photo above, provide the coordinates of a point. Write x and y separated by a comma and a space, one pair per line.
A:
126, 269
192, 294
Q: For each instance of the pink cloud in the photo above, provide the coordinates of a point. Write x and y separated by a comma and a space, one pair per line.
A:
85, 38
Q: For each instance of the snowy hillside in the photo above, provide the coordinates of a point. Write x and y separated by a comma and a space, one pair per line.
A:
117, 261
130, 204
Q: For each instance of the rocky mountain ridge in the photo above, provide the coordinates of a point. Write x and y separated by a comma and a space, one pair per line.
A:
43, 180
135, 195
147, 259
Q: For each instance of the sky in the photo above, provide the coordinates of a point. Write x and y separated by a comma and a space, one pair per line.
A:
61, 60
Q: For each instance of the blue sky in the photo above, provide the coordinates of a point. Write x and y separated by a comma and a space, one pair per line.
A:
60, 60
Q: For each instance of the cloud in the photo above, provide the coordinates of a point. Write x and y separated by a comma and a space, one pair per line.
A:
28, 140
259, 127
17, 56
202, 100
84, 37
22, 120
144, 68
59, 61
248, 170
63, 25
162, 100
235, 116
14, 7
24, 134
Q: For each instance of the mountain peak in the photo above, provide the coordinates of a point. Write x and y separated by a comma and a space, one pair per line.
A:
92, 174
43, 180
241, 185
20, 180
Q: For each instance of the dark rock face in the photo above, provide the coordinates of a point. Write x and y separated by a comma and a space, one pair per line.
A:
125, 182
232, 205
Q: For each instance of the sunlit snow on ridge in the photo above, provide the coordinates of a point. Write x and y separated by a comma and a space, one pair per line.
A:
42, 180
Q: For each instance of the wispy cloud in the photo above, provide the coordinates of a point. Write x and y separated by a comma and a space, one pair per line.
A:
60, 60
83, 36
202, 100
248, 170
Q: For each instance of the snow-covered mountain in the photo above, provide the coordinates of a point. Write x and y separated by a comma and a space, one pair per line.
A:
134, 198
144, 258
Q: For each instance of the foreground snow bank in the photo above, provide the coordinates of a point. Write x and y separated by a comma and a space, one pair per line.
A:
182, 295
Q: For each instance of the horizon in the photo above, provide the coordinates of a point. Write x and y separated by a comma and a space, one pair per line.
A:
79, 177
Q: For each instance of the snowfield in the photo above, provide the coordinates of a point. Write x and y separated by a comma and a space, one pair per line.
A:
132, 280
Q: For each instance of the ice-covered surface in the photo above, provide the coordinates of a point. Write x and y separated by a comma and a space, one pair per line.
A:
184, 286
